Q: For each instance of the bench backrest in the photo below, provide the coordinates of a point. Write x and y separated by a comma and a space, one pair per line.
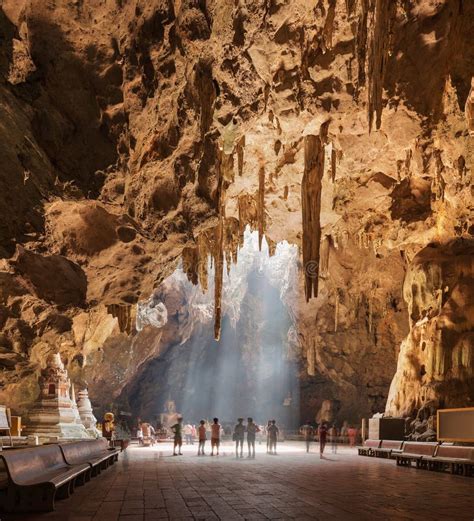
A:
417, 447
373, 444
447, 451
26, 464
79, 451
391, 444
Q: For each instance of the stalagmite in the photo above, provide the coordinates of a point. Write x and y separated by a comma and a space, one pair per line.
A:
261, 205
383, 15
311, 208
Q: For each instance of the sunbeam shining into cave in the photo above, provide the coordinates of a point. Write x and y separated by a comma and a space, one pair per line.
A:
253, 369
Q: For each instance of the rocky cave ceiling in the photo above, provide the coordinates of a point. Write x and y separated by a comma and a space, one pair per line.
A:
137, 135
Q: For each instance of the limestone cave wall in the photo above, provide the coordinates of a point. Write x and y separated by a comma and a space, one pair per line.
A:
134, 134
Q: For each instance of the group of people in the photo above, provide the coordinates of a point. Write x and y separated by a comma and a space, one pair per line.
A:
240, 430
310, 432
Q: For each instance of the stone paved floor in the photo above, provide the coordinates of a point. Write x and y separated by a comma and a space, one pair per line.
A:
149, 484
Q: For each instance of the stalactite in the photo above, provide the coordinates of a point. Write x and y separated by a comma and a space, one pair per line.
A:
218, 277
370, 313
469, 109
329, 26
336, 310
261, 205
361, 45
311, 208
248, 213
190, 259
333, 163
240, 154
123, 314
350, 6
285, 192
380, 37
324, 256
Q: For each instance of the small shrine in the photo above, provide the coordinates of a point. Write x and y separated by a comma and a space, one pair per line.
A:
86, 413
55, 414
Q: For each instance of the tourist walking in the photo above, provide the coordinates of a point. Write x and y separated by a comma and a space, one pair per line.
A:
238, 437
308, 432
252, 429
215, 436
323, 431
202, 437
273, 437
177, 429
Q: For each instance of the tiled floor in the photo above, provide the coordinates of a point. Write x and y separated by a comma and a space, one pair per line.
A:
149, 484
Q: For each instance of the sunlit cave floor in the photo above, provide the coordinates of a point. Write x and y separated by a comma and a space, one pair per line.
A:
149, 484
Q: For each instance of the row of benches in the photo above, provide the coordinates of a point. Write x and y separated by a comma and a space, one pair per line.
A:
427, 455
37, 476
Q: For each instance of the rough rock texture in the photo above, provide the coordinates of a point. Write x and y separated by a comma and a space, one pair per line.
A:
133, 132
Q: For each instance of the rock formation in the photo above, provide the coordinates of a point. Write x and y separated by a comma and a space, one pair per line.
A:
137, 136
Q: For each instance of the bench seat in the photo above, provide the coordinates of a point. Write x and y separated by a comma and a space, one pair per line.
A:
389, 449
368, 448
459, 460
94, 453
415, 451
39, 475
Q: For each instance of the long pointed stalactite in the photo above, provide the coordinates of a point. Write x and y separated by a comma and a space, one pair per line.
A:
261, 205
311, 208
383, 17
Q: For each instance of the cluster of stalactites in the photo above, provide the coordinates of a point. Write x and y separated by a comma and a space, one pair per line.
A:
221, 242
123, 313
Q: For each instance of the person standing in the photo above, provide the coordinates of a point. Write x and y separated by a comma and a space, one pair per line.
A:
323, 431
202, 437
352, 433
188, 434
308, 432
238, 436
252, 429
215, 436
333, 437
273, 437
269, 422
177, 429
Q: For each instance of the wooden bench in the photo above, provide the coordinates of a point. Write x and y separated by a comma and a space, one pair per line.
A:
95, 453
368, 448
39, 475
415, 451
459, 460
389, 449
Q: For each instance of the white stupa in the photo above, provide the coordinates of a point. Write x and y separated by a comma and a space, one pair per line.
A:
86, 413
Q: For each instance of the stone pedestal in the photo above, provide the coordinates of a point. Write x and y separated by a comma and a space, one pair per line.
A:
54, 414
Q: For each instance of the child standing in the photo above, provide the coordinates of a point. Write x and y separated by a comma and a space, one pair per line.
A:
202, 437
215, 436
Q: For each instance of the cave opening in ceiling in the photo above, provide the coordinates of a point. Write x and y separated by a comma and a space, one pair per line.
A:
252, 370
